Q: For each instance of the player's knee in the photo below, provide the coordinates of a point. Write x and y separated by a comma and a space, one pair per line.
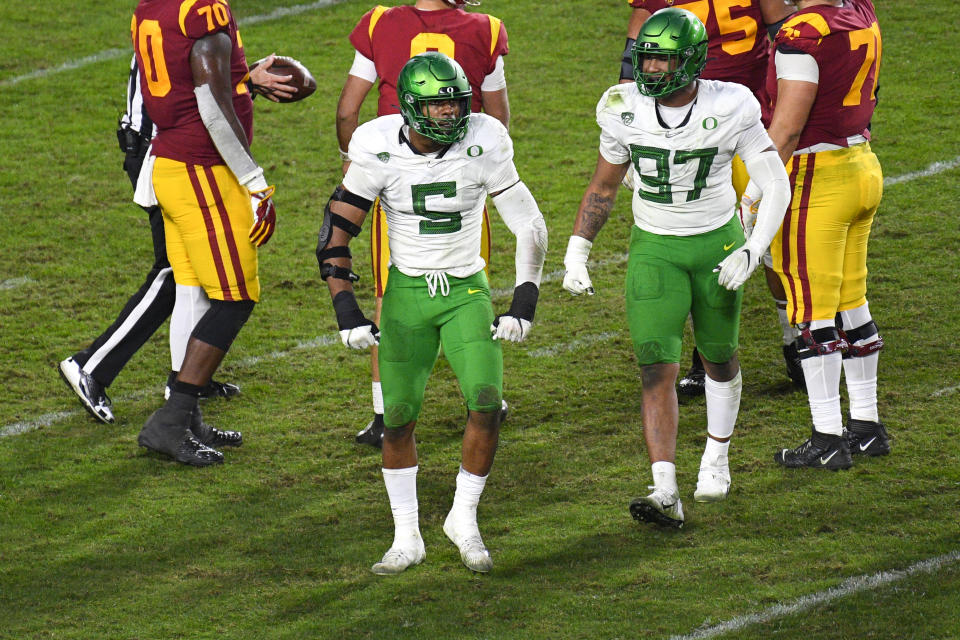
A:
484, 398
651, 351
399, 414
222, 322
863, 340
655, 375
819, 342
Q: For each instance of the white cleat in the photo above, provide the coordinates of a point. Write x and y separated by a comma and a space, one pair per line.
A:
713, 483
660, 507
398, 558
473, 552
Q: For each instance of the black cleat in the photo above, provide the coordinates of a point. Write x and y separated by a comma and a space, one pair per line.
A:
693, 383
92, 394
211, 436
794, 369
217, 389
372, 434
167, 432
819, 451
214, 388
867, 438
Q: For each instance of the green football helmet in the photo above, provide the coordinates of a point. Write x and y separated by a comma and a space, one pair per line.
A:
434, 77
679, 35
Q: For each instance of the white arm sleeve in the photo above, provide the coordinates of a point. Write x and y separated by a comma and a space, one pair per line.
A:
244, 167
363, 67
767, 171
496, 80
522, 215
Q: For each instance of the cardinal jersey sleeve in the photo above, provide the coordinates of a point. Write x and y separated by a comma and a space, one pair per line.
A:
199, 18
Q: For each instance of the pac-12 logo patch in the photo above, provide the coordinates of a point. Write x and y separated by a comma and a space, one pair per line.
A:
627, 117
383, 156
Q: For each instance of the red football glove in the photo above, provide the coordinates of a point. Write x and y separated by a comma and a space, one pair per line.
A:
264, 216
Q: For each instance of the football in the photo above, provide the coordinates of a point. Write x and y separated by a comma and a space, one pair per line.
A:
302, 78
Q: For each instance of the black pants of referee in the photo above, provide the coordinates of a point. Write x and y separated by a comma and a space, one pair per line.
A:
145, 311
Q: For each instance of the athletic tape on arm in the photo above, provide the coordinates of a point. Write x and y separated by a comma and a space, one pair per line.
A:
520, 212
234, 155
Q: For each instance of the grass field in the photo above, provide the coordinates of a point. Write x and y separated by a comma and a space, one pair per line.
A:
98, 539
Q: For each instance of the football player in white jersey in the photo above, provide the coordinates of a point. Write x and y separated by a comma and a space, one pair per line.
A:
687, 249
432, 166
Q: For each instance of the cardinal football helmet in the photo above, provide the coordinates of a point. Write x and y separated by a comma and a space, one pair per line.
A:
680, 36
434, 77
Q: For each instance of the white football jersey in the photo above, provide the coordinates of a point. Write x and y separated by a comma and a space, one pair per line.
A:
433, 203
682, 184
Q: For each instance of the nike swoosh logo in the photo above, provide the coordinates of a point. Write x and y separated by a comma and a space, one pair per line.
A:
863, 447
726, 247
824, 461
670, 134
470, 292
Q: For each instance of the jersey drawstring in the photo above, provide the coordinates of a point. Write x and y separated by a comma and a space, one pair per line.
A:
435, 278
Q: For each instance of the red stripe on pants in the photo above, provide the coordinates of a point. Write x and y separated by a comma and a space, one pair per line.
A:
228, 235
211, 232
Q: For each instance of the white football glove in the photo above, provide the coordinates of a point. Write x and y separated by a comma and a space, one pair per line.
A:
361, 337
576, 280
627, 181
510, 328
738, 266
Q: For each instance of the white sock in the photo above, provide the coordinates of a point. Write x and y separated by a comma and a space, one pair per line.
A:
861, 373
467, 497
665, 476
790, 333
822, 375
723, 405
402, 490
190, 305
715, 453
377, 397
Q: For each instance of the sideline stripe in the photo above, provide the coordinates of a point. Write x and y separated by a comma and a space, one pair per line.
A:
324, 341
846, 588
110, 54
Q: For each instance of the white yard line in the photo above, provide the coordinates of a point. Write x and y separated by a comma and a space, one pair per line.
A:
932, 170
945, 392
848, 587
110, 54
13, 283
